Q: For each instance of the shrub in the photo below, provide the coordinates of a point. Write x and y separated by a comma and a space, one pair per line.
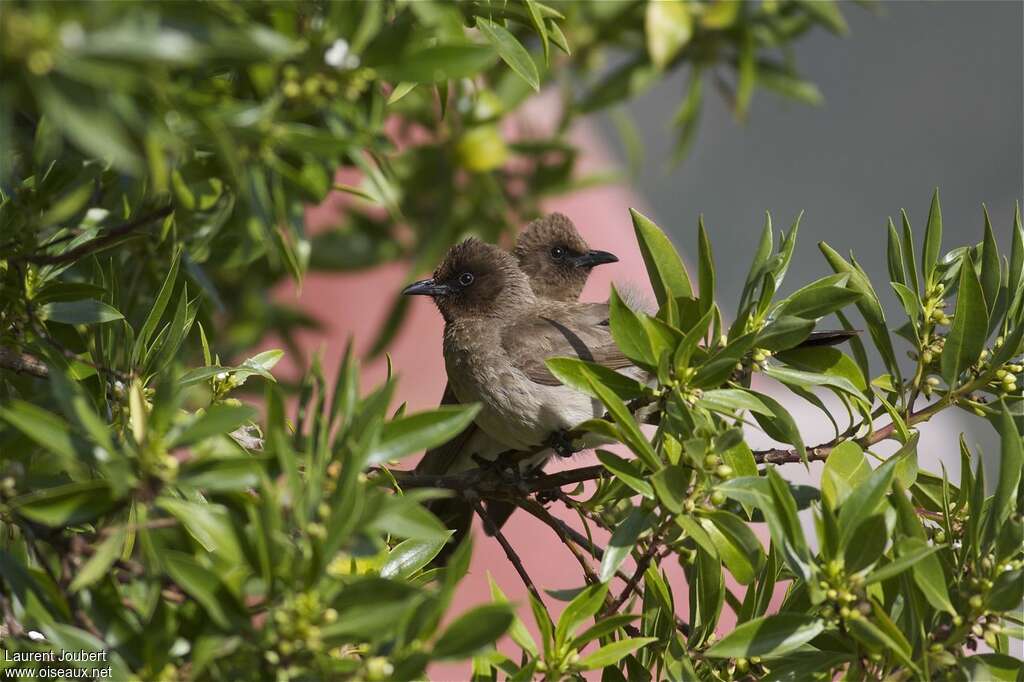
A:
157, 161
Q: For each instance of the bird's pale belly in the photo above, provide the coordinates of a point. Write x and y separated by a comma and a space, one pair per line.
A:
521, 414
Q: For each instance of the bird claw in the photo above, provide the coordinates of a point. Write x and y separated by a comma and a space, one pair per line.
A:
561, 443
503, 470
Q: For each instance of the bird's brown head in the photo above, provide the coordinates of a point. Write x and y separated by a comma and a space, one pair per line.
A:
476, 279
556, 258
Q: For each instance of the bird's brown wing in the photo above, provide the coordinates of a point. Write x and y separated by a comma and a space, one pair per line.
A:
573, 330
439, 460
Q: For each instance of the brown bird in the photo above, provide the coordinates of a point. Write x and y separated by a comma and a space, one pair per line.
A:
557, 261
498, 334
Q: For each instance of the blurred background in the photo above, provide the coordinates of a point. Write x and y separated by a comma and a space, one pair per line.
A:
918, 95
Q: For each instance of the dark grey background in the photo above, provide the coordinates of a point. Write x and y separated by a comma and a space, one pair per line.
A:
917, 95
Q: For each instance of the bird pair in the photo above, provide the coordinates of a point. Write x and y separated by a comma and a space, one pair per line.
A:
505, 314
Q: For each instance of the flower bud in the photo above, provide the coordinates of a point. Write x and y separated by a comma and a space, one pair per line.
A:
724, 471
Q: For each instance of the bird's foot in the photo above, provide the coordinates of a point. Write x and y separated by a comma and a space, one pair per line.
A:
508, 473
562, 444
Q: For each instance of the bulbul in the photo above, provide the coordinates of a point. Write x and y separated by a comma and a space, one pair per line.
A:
557, 261
498, 334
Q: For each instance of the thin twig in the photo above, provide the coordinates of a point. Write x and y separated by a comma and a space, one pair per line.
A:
510, 552
23, 363
485, 484
101, 242
821, 452
538, 511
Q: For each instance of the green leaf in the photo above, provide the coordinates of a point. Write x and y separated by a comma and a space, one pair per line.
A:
86, 311
209, 524
627, 472
440, 63
911, 551
784, 333
907, 251
865, 497
845, 469
868, 305
729, 400
582, 607
579, 373
829, 361
629, 332
409, 556
737, 545
232, 474
510, 50
63, 637
818, 299
769, 635
156, 311
1007, 591
966, 338
67, 504
45, 428
1011, 462
664, 267
218, 419
416, 432
881, 642
927, 572
990, 264
622, 541
894, 256
992, 668
706, 269
98, 565
473, 630
632, 436
518, 632
932, 239
92, 125
801, 379
668, 26
781, 425
610, 654
603, 628
538, 24
406, 518
201, 584
670, 485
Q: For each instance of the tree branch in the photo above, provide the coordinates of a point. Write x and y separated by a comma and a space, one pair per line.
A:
23, 363
821, 452
510, 552
101, 242
486, 484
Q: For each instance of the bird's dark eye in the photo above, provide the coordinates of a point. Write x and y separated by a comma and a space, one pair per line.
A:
466, 278
558, 253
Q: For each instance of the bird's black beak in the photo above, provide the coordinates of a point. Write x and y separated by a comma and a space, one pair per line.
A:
592, 258
425, 287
